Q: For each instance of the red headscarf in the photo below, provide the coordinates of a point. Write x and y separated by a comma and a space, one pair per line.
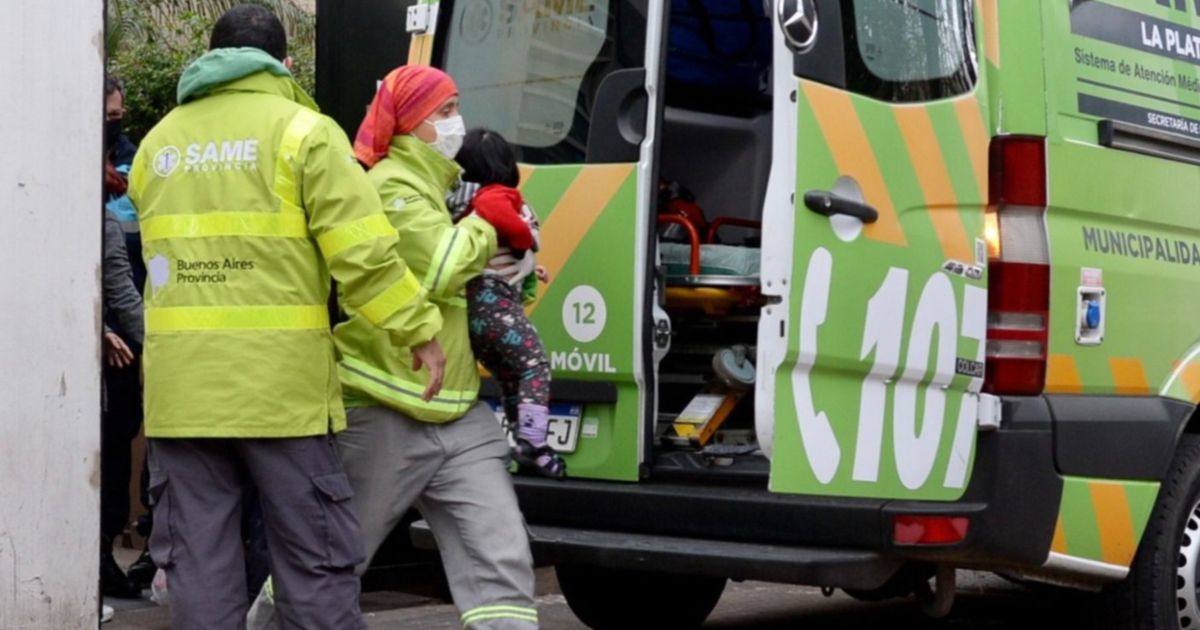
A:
407, 96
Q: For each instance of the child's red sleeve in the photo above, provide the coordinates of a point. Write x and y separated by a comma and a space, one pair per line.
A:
501, 207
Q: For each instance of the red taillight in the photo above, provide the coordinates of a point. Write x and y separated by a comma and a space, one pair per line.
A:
1019, 274
1018, 171
929, 530
1017, 331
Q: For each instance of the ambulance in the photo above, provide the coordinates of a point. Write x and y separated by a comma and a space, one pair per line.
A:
889, 289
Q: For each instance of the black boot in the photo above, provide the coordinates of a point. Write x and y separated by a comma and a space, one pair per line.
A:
114, 582
142, 571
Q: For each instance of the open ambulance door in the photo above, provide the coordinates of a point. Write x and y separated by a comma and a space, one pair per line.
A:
871, 346
570, 84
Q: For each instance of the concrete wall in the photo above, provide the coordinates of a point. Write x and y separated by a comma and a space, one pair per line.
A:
51, 104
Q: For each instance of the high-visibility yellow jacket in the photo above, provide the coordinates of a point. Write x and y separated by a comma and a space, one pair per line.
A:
248, 200
412, 182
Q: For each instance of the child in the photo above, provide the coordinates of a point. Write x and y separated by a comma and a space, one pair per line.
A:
501, 336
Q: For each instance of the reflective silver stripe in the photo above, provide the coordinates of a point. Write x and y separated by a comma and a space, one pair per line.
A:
445, 252
484, 613
361, 374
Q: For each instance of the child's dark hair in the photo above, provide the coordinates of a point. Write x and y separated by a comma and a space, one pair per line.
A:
487, 158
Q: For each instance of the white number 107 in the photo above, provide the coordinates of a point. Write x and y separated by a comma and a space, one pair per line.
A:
915, 451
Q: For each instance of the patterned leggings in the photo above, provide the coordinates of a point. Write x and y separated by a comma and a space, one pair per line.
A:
507, 344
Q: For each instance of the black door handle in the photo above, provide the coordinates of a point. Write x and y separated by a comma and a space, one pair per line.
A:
829, 204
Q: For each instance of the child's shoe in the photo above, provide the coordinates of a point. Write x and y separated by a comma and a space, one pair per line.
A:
540, 459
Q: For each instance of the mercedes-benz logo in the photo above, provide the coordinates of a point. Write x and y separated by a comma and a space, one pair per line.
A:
798, 19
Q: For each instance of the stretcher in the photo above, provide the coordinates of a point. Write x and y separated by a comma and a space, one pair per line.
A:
708, 276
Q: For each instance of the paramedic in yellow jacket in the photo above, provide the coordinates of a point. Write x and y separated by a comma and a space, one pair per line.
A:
249, 200
447, 455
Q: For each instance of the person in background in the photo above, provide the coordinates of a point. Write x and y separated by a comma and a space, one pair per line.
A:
118, 147
119, 152
122, 306
121, 417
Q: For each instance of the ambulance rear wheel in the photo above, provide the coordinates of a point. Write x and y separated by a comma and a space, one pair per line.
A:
606, 599
1161, 591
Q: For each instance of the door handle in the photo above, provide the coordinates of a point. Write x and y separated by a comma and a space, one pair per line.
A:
829, 204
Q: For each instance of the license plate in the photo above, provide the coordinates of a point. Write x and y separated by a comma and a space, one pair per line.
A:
563, 433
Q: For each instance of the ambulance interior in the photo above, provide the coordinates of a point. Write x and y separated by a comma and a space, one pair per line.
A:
714, 163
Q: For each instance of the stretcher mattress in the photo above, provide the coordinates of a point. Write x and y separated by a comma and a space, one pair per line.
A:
715, 260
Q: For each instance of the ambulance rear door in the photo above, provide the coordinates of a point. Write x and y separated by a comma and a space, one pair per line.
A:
871, 347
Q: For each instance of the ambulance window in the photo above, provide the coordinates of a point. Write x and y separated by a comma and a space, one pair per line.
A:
530, 69
911, 50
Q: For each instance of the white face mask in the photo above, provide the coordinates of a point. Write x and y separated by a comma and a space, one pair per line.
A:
450, 133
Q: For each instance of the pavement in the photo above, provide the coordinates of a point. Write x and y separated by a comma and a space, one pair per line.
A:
984, 601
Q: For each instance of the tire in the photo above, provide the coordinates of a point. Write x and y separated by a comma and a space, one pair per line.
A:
610, 599
1160, 592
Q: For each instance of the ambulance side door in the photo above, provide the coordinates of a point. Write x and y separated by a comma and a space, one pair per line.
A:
569, 84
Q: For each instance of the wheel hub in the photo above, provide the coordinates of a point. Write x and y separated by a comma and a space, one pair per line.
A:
1185, 573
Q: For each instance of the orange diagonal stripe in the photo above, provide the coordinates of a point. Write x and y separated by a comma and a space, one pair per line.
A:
1062, 376
1189, 377
976, 136
991, 30
1059, 544
582, 203
525, 171
852, 151
1129, 376
941, 202
1114, 522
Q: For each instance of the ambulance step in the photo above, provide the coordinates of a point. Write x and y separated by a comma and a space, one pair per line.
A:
842, 568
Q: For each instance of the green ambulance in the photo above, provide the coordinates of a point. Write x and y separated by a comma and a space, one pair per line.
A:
937, 308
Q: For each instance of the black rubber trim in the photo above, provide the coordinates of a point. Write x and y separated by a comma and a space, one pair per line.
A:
562, 390
841, 568
705, 511
1014, 487
1116, 437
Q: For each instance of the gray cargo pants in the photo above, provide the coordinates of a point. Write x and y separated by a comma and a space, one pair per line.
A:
196, 488
457, 476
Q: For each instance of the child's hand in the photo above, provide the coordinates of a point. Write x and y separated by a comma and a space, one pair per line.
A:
542, 274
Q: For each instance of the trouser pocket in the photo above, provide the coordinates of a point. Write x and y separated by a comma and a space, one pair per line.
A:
343, 536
